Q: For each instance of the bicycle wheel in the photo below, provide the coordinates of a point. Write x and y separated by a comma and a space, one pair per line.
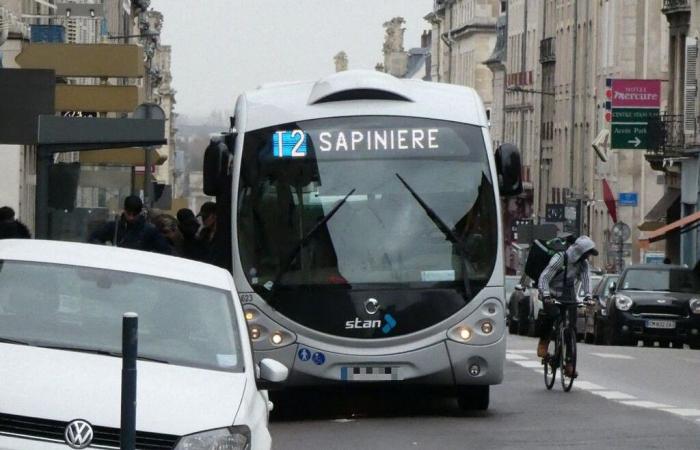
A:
568, 356
550, 363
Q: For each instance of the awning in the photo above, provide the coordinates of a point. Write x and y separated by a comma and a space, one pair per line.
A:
656, 218
122, 157
663, 231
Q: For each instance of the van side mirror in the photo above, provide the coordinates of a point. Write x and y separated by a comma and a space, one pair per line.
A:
217, 159
509, 169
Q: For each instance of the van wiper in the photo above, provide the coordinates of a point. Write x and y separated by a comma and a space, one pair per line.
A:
447, 231
304, 240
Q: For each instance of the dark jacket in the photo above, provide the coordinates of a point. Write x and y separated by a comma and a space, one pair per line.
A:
14, 229
137, 235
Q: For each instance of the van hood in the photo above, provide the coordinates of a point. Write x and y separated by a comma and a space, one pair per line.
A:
66, 385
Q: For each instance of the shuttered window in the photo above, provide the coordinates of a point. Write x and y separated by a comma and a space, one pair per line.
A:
690, 86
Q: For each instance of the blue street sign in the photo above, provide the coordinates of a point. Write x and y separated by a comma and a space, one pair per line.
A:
304, 354
627, 199
318, 358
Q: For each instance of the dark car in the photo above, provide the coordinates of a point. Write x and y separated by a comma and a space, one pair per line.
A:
655, 303
592, 329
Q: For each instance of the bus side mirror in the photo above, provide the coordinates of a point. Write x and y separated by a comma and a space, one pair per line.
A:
613, 287
509, 170
217, 159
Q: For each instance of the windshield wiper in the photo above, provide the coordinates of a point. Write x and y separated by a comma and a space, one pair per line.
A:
447, 231
304, 240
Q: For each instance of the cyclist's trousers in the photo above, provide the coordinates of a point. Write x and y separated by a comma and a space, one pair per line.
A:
549, 313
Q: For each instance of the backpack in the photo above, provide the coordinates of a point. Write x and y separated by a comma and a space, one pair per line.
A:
541, 253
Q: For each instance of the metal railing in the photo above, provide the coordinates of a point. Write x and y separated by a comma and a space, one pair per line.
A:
673, 6
666, 139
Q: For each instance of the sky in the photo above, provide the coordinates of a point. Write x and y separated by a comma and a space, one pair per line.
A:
229, 46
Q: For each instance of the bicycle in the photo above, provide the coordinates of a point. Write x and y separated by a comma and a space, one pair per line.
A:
564, 338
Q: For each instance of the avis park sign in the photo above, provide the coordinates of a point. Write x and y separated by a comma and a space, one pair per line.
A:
632, 105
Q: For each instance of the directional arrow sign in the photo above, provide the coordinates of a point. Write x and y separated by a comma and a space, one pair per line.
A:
629, 136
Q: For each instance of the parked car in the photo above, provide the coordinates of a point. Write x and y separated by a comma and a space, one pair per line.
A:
593, 331
655, 303
61, 308
580, 312
510, 283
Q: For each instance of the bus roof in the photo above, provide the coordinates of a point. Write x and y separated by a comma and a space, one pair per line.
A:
360, 93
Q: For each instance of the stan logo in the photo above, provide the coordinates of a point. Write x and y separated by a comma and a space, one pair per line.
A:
358, 324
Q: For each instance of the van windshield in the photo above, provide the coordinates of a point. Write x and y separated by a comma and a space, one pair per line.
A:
81, 309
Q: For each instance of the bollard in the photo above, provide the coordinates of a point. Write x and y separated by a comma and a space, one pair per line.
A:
130, 327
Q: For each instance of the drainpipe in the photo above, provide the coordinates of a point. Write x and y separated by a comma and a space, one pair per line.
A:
542, 100
573, 101
447, 39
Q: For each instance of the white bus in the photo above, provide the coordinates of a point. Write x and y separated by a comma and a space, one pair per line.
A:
366, 238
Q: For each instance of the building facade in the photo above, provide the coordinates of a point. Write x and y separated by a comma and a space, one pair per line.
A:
463, 37
551, 70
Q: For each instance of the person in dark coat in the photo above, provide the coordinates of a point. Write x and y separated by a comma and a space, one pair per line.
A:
132, 230
11, 228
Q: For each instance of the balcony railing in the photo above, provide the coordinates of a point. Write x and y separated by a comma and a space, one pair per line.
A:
675, 6
666, 140
547, 50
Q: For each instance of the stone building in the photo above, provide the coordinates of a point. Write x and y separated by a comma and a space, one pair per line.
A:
678, 155
463, 36
552, 77
401, 63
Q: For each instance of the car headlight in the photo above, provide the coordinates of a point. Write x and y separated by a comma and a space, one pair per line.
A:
230, 438
694, 305
623, 302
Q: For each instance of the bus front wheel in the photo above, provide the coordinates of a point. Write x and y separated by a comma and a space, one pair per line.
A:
473, 398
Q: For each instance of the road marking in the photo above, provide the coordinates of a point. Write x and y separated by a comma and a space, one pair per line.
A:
685, 412
614, 395
644, 404
588, 386
523, 351
514, 357
343, 420
612, 356
529, 364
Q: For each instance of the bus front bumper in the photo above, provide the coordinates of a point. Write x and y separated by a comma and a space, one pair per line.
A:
446, 363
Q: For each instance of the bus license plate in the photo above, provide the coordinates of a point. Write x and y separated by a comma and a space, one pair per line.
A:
665, 324
367, 373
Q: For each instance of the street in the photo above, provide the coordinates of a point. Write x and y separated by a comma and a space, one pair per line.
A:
624, 398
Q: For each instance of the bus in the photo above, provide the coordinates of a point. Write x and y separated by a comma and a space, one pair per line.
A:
365, 231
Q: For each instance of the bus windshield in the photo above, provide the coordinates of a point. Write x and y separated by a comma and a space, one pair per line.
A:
366, 201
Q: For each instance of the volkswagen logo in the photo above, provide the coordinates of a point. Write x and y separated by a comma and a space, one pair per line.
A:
78, 434
371, 306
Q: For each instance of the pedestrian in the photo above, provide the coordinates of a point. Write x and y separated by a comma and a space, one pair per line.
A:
184, 214
132, 230
167, 226
207, 214
11, 228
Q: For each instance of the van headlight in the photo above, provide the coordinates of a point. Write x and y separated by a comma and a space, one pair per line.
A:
694, 305
623, 302
230, 438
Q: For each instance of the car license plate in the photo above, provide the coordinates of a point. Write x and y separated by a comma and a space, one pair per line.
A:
369, 373
665, 324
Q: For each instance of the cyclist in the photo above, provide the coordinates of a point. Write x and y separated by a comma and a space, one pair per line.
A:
558, 281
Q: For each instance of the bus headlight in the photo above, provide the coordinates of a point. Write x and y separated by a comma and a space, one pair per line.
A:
249, 315
255, 333
276, 338
487, 327
623, 302
462, 333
